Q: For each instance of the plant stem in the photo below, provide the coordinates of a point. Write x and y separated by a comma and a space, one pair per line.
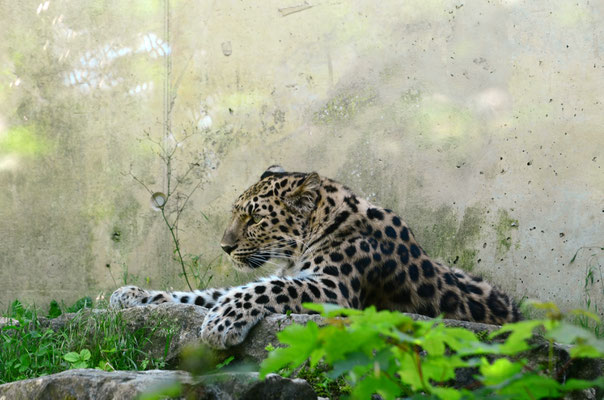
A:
175, 240
550, 356
419, 370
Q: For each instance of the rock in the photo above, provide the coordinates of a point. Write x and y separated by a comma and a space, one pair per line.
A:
100, 385
8, 321
89, 384
180, 325
177, 325
265, 333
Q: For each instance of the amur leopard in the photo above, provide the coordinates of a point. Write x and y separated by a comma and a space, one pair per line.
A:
338, 248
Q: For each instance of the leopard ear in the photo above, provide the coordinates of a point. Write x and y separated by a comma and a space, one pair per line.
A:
304, 198
272, 170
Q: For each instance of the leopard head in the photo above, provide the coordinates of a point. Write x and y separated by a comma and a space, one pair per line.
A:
270, 220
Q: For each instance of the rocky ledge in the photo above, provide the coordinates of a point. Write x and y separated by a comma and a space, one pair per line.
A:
180, 326
101, 385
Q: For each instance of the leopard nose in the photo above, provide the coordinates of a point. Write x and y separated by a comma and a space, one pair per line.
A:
228, 248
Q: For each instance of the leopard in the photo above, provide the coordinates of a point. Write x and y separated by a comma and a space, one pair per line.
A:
332, 246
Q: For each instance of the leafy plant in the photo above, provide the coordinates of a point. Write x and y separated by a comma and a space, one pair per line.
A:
178, 188
226, 362
593, 275
54, 310
200, 272
81, 304
78, 360
28, 348
390, 354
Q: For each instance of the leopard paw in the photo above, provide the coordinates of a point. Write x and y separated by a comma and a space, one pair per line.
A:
132, 296
225, 325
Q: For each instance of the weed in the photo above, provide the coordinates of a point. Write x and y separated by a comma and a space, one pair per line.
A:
593, 275
29, 348
178, 188
201, 273
322, 384
78, 360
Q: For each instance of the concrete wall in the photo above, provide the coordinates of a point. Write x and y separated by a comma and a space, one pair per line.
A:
481, 123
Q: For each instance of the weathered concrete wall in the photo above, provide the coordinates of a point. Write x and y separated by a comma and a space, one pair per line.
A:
481, 123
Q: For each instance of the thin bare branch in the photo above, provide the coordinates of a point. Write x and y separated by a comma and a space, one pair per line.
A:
139, 181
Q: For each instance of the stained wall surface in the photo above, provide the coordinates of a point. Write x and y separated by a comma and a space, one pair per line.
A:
481, 123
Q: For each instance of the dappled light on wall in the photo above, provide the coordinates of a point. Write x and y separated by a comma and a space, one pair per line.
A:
93, 71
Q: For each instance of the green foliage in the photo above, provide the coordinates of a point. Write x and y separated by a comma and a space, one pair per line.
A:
321, 382
84, 302
593, 278
179, 187
200, 272
166, 391
54, 310
78, 360
226, 362
390, 354
29, 348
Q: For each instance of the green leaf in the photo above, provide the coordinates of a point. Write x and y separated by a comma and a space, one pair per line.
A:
532, 386
376, 384
520, 332
225, 362
168, 390
447, 393
580, 384
331, 310
344, 366
441, 369
105, 366
500, 371
25, 360
585, 351
572, 260
71, 357
409, 373
85, 355
567, 333
587, 314
585, 342
302, 341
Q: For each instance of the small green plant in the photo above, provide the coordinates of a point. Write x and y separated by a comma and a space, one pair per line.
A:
390, 354
78, 360
226, 362
200, 272
593, 276
28, 348
324, 385
178, 189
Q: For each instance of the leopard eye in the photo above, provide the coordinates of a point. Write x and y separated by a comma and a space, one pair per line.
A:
256, 218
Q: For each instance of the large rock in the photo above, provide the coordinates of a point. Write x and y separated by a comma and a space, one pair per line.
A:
83, 384
180, 326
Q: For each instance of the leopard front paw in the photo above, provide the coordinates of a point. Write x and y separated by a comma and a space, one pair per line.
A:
128, 296
225, 325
